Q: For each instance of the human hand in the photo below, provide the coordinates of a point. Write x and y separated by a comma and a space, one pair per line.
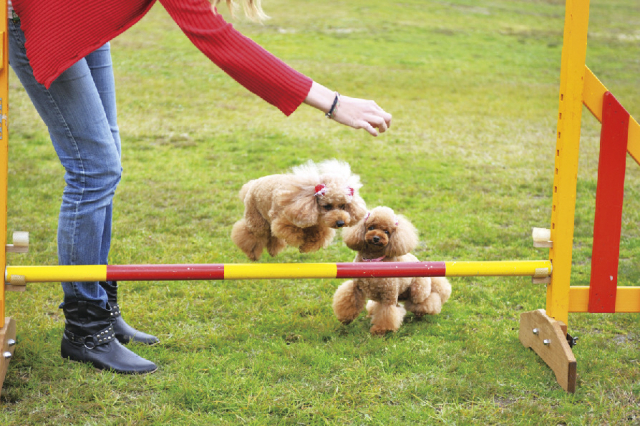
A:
352, 112
362, 114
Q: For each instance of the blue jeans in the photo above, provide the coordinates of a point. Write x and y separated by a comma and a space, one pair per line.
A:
79, 110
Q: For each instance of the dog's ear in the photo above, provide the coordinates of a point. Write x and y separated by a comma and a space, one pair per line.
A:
353, 236
299, 206
404, 239
357, 208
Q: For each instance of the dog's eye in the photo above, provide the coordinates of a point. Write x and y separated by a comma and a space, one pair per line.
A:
327, 207
371, 228
386, 232
342, 206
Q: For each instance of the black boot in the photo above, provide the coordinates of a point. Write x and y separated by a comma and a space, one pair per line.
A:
124, 332
89, 337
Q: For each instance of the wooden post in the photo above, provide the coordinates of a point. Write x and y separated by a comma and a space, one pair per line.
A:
548, 338
7, 346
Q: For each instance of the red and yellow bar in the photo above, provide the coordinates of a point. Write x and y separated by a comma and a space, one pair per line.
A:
533, 268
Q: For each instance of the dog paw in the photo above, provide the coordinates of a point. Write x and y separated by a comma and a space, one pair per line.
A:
419, 314
376, 330
308, 247
275, 246
417, 309
254, 255
433, 304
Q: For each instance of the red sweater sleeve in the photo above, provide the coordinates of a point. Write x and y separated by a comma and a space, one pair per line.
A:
244, 60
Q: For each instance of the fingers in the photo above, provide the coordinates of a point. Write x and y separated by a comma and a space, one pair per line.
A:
376, 118
380, 123
369, 128
363, 114
384, 115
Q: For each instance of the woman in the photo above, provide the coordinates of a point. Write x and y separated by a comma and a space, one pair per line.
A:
60, 53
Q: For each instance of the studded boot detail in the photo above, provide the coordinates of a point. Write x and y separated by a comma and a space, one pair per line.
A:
124, 332
89, 336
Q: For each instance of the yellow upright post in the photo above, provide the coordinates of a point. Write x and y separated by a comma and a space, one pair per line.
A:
546, 331
574, 52
4, 151
7, 325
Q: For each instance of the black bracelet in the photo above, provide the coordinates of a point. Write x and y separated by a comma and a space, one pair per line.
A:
335, 104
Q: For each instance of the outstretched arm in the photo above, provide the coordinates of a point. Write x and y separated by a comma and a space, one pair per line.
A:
264, 74
240, 57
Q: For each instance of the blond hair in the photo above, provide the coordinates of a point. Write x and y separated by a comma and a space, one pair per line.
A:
252, 9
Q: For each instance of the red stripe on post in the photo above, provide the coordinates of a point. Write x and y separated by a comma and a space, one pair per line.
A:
165, 272
391, 269
608, 217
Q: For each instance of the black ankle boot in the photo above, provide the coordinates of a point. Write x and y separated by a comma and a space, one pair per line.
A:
89, 337
124, 332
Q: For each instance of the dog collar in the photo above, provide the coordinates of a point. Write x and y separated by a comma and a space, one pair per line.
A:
377, 259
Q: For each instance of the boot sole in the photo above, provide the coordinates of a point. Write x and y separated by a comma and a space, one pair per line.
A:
99, 370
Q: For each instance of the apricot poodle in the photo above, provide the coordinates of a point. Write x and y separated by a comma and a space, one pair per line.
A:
383, 236
301, 209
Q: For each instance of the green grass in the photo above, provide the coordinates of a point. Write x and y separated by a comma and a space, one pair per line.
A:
473, 88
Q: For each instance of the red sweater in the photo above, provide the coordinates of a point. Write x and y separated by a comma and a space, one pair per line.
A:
59, 33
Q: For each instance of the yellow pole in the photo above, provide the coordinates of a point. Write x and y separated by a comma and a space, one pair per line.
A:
528, 268
4, 150
62, 273
593, 97
574, 52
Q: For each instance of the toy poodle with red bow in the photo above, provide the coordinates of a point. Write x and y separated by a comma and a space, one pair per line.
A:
383, 236
302, 209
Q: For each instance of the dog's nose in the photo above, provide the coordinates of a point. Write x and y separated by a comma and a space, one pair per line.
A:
340, 223
376, 239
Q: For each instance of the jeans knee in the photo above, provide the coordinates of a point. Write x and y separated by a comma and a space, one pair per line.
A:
113, 175
93, 184
107, 179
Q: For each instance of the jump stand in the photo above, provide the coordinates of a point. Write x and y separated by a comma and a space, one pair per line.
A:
544, 331
7, 325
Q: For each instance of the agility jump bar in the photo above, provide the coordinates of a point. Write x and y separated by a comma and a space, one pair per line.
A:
79, 273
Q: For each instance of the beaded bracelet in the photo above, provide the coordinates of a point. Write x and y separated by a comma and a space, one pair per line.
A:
334, 106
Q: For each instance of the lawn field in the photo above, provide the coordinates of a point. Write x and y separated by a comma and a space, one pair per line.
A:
473, 88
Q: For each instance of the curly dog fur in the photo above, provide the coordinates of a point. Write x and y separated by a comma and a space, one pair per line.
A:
301, 209
387, 237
